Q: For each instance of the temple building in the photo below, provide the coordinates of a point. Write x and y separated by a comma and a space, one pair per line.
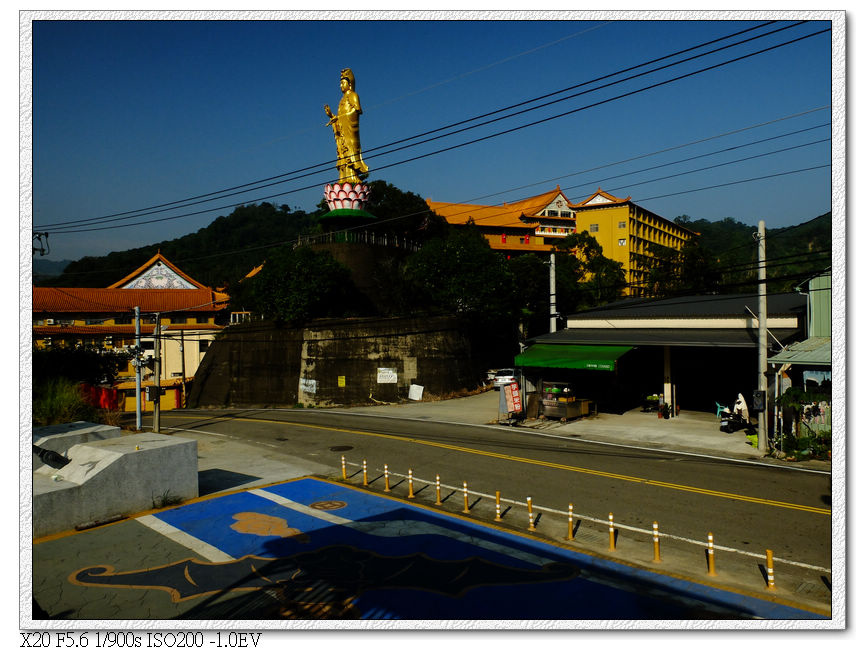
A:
626, 232
189, 314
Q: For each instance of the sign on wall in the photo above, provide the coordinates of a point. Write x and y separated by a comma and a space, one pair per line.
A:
307, 386
386, 375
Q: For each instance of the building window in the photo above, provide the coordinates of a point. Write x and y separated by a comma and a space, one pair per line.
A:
202, 319
178, 320
622, 242
203, 345
623, 224
552, 213
123, 320
593, 227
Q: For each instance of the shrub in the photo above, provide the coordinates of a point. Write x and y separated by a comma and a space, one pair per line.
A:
60, 400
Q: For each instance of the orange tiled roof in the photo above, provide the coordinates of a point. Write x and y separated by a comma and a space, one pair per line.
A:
610, 200
102, 301
502, 216
159, 257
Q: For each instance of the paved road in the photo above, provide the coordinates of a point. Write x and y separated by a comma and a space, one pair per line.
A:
320, 549
748, 507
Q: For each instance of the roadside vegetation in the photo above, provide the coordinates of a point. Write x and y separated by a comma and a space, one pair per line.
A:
58, 376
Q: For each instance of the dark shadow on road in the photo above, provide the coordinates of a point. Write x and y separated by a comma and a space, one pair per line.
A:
216, 480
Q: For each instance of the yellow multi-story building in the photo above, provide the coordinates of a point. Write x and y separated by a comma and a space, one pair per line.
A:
186, 311
626, 232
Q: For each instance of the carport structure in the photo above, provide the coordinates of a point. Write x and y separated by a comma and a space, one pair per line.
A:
694, 350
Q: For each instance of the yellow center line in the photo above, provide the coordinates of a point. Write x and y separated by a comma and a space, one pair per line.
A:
542, 463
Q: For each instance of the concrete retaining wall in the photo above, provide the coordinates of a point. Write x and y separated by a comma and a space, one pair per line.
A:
335, 361
116, 476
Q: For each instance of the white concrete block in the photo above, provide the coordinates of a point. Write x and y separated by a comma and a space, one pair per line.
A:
116, 476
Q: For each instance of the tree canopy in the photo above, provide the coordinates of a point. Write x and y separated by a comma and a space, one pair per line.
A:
296, 285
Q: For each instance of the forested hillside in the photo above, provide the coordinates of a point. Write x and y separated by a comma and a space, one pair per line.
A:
792, 253
246, 234
724, 259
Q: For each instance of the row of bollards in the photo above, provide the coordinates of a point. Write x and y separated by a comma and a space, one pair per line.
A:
656, 542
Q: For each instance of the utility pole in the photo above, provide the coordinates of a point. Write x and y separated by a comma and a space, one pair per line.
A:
552, 293
762, 382
182, 371
137, 363
157, 372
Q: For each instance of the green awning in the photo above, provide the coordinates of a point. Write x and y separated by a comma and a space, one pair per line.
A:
577, 357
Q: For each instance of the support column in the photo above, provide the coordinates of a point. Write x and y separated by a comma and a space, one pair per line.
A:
668, 384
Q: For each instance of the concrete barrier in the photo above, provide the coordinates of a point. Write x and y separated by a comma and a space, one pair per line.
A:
114, 477
62, 437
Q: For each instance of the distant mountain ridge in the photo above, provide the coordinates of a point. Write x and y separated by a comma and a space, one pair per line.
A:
49, 268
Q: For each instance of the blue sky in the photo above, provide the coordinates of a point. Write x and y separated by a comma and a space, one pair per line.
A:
132, 114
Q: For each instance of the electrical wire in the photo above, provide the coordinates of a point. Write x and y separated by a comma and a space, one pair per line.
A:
459, 145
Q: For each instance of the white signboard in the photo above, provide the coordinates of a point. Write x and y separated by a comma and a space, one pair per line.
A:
415, 392
387, 375
307, 386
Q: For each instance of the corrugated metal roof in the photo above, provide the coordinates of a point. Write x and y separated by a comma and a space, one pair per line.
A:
695, 306
814, 351
101, 301
715, 337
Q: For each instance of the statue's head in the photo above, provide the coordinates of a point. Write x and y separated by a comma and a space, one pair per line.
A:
348, 75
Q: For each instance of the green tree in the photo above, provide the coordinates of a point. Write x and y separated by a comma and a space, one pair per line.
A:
584, 277
461, 274
532, 276
79, 364
298, 284
690, 270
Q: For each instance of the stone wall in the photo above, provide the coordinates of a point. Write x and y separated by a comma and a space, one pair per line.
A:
335, 362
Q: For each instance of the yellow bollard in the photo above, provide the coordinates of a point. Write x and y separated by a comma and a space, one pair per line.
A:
438, 491
365, 478
465, 497
531, 518
711, 553
386, 479
570, 535
410, 485
344, 476
612, 534
498, 506
656, 541
770, 570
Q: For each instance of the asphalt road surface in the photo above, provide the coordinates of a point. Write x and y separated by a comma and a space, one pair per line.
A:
748, 507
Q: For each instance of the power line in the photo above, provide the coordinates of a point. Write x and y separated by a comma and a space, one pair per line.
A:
130, 215
367, 152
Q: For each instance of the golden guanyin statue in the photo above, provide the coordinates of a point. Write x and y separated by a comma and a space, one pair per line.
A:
346, 132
